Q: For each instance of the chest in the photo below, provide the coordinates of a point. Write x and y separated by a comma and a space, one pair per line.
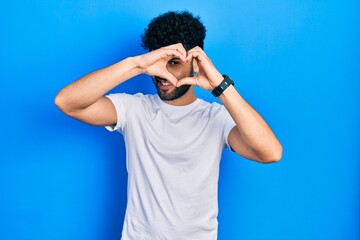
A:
177, 134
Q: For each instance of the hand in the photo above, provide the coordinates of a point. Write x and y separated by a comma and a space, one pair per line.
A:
208, 77
154, 63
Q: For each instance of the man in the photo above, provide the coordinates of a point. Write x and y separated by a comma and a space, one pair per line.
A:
174, 140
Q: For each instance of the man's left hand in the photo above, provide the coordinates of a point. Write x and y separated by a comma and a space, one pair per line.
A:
208, 76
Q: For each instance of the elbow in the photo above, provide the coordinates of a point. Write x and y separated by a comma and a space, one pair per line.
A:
57, 101
60, 102
274, 157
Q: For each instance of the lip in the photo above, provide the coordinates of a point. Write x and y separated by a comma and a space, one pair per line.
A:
160, 85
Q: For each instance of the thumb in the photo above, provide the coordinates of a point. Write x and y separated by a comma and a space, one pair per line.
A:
188, 81
168, 76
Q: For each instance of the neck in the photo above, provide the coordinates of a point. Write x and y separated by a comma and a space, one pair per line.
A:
186, 99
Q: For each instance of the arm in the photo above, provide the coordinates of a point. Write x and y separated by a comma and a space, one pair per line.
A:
251, 138
84, 99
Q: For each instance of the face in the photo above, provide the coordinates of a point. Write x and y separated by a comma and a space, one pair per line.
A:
166, 90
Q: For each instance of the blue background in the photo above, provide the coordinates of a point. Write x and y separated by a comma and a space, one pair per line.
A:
296, 62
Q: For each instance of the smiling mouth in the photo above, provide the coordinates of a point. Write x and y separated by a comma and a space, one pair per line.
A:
162, 81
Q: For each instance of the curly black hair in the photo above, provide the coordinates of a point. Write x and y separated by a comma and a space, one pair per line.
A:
174, 27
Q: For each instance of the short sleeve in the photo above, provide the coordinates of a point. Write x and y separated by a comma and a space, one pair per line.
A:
227, 124
123, 104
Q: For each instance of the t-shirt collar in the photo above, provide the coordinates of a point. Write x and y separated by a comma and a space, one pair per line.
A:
167, 106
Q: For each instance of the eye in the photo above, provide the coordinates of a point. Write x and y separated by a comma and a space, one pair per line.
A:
173, 62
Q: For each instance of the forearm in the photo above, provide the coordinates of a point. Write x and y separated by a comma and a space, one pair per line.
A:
252, 127
88, 89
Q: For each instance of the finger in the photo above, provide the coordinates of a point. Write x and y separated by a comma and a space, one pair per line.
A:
171, 53
178, 47
197, 49
168, 76
196, 54
204, 64
181, 49
187, 81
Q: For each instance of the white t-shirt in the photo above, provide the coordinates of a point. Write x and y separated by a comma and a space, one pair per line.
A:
172, 158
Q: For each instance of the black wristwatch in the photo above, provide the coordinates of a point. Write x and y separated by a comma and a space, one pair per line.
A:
222, 86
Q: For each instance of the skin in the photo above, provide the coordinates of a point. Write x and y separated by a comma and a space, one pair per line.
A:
84, 99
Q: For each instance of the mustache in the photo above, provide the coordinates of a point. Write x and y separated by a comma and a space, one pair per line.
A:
159, 79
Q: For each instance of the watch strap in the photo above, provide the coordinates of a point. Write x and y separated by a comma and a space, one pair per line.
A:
225, 83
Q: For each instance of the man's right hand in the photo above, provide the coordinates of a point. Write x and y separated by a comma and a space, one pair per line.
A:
154, 63
84, 99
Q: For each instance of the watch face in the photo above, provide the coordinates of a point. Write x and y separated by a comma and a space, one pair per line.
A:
228, 79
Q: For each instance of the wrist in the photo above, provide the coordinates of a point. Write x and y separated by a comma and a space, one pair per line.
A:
125, 69
216, 81
224, 84
136, 63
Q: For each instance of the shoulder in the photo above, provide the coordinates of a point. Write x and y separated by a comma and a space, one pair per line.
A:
211, 107
136, 103
125, 95
130, 98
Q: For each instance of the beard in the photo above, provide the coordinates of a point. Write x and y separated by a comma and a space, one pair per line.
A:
169, 95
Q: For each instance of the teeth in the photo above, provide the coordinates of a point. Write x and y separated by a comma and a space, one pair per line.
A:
165, 83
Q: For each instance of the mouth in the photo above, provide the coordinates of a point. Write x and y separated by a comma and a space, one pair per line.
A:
163, 83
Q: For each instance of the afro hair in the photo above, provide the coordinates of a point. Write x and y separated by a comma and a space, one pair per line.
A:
174, 27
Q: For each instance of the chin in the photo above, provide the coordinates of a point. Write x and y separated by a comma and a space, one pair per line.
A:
173, 94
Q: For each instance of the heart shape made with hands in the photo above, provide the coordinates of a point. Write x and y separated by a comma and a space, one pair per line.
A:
207, 76
199, 78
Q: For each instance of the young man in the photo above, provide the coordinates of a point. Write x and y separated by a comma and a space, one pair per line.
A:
174, 140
